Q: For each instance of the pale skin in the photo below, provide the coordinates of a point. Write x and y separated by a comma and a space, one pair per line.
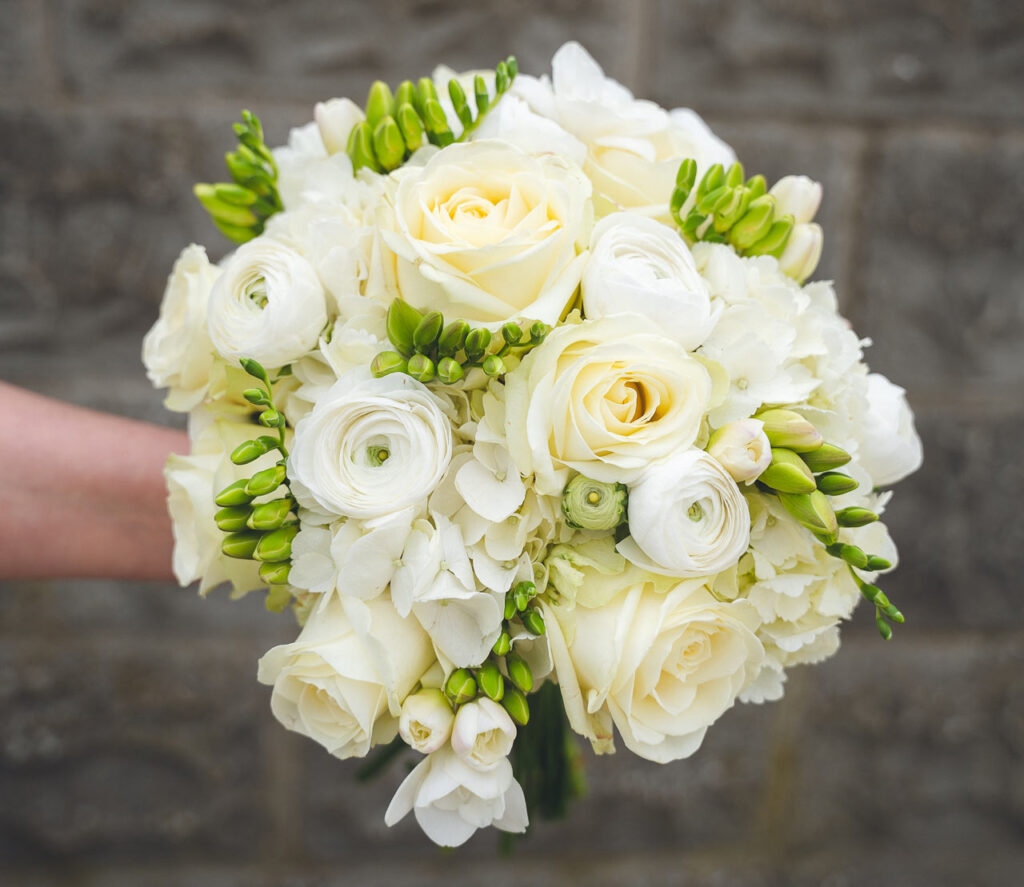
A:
84, 493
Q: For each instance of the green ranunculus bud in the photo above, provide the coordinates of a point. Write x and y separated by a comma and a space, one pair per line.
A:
483, 99
519, 672
452, 338
388, 362
461, 686
388, 144
491, 681
402, 320
774, 242
514, 702
265, 481
275, 574
754, 224
269, 515
835, 483
494, 366
855, 517
826, 457
786, 428
380, 103
232, 518
512, 333
449, 371
477, 342
877, 562
360, 148
234, 494
276, 545
503, 644
811, 510
421, 368
427, 330
241, 545
589, 504
787, 473
249, 451
411, 126
533, 620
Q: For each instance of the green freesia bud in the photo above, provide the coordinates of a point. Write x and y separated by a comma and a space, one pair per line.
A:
589, 504
452, 338
235, 232
401, 322
269, 515
729, 214
811, 510
483, 99
502, 81
232, 519
276, 545
380, 103
256, 396
461, 686
388, 144
755, 223
228, 213
510, 606
519, 672
512, 66
785, 428
521, 596
514, 702
855, 517
876, 563
853, 555
421, 368
425, 91
686, 176
271, 418
241, 545
388, 362
405, 94
449, 371
884, 628
826, 457
255, 369
436, 124
533, 620
774, 242
709, 201
458, 96
275, 574
757, 186
713, 179
234, 494
266, 481
249, 451
787, 473
734, 175
512, 333
835, 483
539, 331
360, 148
494, 366
491, 681
477, 342
503, 644
427, 331
410, 125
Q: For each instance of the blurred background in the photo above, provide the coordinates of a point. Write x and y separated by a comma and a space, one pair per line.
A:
136, 746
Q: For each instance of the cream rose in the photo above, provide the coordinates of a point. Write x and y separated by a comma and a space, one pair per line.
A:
486, 232
640, 265
687, 517
177, 351
268, 305
370, 447
342, 682
662, 666
605, 397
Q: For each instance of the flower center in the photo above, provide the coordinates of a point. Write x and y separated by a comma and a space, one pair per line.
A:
695, 512
257, 292
377, 455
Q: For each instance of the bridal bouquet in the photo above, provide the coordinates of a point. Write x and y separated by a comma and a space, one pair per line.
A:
515, 393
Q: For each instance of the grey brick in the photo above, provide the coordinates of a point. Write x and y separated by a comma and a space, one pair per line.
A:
25, 56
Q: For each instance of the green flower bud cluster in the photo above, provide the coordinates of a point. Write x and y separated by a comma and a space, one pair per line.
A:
261, 530
399, 122
588, 504
729, 209
429, 351
802, 475
240, 209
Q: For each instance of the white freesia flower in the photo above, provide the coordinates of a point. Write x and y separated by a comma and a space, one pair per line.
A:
483, 733
335, 120
451, 798
661, 665
342, 682
642, 266
797, 196
268, 305
687, 517
890, 447
426, 720
177, 351
486, 232
803, 251
742, 449
605, 397
371, 447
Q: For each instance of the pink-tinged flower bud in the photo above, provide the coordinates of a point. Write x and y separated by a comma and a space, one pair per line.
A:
742, 449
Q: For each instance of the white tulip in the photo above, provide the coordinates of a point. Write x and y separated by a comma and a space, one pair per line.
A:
742, 449
426, 720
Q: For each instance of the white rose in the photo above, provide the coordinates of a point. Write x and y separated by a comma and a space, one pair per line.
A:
605, 397
268, 305
487, 233
426, 720
371, 447
342, 682
687, 517
452, 799
483, 733
177, 351
741, 448
890, 448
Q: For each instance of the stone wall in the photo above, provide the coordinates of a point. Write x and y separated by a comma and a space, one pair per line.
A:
136, 746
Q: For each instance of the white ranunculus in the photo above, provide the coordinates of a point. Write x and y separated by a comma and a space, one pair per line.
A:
890, 448
177, 351
483, 733
687, 517
426, 720
371, 447
605, 397
662, 666
451, 798
742, 449
342, 682
640, 265
486, 232
268, 305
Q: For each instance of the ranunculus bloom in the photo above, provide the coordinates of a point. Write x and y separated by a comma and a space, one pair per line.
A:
890, 448
605, 397
488, 233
